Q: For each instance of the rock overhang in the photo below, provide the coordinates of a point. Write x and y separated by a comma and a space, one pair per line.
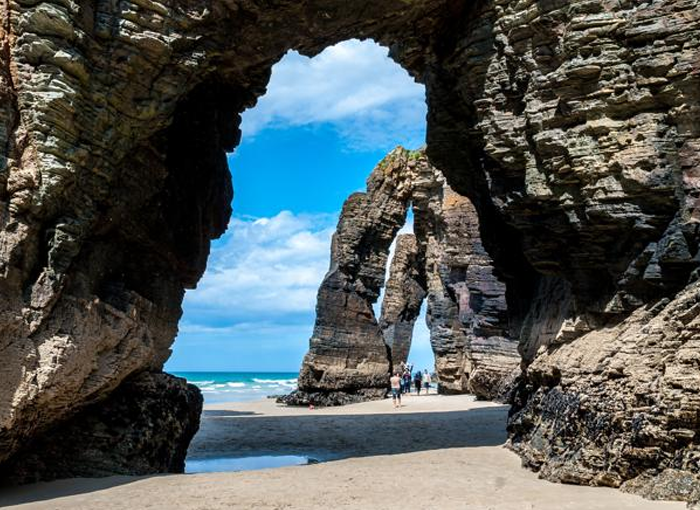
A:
570, 125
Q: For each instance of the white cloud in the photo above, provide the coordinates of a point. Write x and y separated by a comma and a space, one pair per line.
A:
264, 268
354, 86
258, 295
241, 330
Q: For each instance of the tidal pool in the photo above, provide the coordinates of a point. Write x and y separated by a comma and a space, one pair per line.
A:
223, 464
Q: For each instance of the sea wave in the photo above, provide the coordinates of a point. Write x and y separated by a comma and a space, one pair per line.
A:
229, 387
280, 382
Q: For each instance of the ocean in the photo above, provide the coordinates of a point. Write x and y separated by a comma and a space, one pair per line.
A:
240, 386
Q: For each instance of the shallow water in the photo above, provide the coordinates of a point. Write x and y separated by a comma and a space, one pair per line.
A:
223, 464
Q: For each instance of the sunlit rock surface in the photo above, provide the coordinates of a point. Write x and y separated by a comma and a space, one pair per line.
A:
347, 358
351, 352
115, 119
403, 296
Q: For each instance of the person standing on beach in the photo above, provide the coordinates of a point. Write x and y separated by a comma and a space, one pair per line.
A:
426, 381
396, 390
407, 382
418, 381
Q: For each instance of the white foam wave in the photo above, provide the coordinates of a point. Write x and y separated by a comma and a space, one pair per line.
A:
279, 382
242, 388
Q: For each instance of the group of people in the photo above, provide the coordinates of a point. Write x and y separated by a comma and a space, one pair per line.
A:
401, 382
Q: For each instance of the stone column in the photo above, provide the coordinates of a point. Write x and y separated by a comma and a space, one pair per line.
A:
403, 297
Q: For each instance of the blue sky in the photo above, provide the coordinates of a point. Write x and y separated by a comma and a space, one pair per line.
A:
312, 140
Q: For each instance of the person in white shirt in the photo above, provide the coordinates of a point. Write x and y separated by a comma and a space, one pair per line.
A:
426, 381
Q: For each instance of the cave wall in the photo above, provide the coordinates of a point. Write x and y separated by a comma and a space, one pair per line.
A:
570, 124
574, 123
114, 122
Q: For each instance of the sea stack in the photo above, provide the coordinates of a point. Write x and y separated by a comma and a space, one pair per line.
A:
351, 352
403, 296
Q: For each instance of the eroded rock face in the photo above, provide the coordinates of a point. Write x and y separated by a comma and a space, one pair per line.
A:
640, 373
467, 311
347, 359
114, 123
403, 297
351, 353
577, 129
143, 427
571, 125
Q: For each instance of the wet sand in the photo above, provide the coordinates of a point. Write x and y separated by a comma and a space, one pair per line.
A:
435, 452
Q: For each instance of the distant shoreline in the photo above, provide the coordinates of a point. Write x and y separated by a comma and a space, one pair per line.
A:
240, 386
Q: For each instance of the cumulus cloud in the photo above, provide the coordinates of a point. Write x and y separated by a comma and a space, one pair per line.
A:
264, 268
259, 294
354, 86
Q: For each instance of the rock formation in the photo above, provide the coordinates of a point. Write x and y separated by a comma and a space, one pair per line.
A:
347, 359
403, 297
576, 137
467, 311
351, 353
571, 125
115, 119
143, 427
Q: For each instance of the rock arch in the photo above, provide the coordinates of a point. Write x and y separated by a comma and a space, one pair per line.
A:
352, 352
571, 125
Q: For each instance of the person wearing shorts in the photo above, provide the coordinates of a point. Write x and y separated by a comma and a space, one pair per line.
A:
396, 390
426, 381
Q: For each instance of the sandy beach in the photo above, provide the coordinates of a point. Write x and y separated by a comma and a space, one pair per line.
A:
435, 452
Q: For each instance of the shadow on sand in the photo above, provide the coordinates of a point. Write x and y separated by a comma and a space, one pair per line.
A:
61, 488
330, 437
230, 434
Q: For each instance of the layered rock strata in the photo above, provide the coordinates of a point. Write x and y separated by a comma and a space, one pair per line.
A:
347, 358
467, 311
571, 125
573, 128
403, 297
351, 353
115, 120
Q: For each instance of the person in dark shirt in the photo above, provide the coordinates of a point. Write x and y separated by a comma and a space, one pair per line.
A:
406, 382
418, 381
